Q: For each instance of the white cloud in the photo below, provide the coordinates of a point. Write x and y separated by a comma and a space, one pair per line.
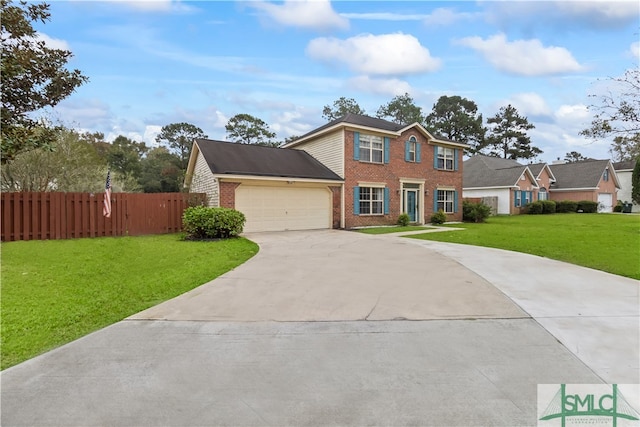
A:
563, 14
386, 54
52, 42
312, 14
530, 104
289, 123
523, 57
603, 11
635, 49
173, 6
385, 16
387, 87
150, 133
89, 113
444, 16
578, 113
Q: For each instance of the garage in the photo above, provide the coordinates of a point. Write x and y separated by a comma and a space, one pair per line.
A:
605, 202
277, 208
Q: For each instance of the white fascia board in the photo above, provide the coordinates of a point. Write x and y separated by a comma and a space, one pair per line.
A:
532, 178
450, 143
313, 135
502, 187
229, 177
343, 125
195, 150
432, 139
615, 175
573, 189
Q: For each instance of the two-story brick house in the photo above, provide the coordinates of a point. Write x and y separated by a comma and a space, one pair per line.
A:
388, 169
374, 170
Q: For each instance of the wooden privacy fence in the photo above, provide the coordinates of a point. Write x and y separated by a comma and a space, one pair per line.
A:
42, 216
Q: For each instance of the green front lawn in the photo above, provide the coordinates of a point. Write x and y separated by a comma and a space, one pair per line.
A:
55, 291
607, 242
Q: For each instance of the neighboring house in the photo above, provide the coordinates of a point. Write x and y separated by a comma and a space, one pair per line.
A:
544, 178
593, 180
624, 171
354, 171
515, 185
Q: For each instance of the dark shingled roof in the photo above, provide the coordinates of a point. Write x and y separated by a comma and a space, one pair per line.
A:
626, 165
536, 168
585, 174
486, 171
246, 159
358, 119
372, 122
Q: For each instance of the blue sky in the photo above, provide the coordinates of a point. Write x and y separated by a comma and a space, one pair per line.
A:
152, 63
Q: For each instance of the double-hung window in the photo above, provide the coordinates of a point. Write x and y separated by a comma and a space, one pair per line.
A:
371, 201
446, 201
445, 158
517, 198
371, 148
412, 150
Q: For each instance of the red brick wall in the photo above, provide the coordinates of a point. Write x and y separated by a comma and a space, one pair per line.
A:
391, 173
228, 194
335, 195
576, 196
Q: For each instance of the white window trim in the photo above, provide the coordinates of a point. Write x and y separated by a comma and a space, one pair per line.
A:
413, 149
371, 201
446, 202
369, 139
447, 155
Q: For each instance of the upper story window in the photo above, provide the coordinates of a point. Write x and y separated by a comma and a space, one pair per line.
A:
412, 150
371, 148
446, 158
605, 175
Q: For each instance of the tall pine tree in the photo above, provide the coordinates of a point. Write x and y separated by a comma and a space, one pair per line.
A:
508, 135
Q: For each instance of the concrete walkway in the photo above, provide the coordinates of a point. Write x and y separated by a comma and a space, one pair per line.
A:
341, 328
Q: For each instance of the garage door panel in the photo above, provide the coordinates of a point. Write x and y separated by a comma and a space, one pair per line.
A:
605, 202
284, 208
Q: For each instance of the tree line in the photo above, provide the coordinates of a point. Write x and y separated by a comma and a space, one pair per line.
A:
38, 156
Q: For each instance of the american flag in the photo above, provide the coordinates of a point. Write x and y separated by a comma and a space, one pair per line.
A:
106, 209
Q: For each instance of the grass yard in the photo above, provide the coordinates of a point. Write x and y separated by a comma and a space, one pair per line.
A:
56, 291
604, 242
387, 230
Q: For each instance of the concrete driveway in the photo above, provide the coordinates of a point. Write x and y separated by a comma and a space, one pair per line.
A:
339, 328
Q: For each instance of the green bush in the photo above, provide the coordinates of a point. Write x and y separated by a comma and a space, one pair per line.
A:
201, 222
534, 208
587, 206
475, 212
548, 206
404, 220
566, 206
618, 207
439, 217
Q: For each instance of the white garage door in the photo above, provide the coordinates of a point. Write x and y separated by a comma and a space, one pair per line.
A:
284, 208
605, 202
